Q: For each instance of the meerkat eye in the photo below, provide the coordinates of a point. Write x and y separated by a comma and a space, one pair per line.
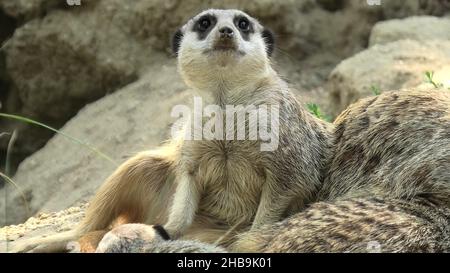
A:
244, 24
204, 23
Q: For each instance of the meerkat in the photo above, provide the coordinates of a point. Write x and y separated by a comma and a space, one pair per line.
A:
355, 225
394, 146
224, 56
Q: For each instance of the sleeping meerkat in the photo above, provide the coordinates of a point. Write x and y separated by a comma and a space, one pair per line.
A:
395, 146
224, 56
353, 225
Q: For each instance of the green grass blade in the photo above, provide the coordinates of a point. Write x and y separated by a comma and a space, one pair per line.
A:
30, 121
375, 90
429, 75
315, 110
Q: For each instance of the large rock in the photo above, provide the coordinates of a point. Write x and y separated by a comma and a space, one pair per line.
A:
392, 66
419, 28
57, 64
64, 173
63, 56
57, 67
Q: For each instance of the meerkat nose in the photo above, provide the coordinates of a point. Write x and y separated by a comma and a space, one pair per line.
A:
226, 32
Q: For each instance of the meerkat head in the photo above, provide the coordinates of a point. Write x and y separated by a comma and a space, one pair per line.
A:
222, 47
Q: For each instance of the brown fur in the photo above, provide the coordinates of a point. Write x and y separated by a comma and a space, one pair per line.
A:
353, 226
396, 145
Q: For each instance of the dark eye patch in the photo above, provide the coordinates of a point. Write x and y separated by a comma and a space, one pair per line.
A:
202, 28
245, 32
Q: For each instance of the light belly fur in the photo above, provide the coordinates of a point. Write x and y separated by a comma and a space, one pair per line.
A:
232, 179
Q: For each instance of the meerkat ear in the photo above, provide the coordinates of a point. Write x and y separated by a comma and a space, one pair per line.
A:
270, 41
176, 41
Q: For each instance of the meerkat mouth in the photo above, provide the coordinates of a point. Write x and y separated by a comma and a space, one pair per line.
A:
225, 44
226, 48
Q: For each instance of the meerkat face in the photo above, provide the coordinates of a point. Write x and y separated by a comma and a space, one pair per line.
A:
222, 46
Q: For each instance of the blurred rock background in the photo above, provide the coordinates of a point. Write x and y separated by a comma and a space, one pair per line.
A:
103, 73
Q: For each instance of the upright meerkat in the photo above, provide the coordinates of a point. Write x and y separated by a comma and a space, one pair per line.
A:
224, 55
395, 146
